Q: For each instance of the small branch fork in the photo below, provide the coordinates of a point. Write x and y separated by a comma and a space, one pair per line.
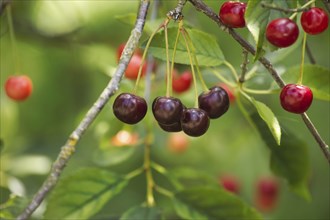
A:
70, 146
201, 6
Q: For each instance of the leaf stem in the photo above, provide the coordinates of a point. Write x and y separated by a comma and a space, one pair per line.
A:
302, 7
260, 92
13, 40
244, 65
164, 191
147, 168
223, 79
285, 10
302, 59
134, 173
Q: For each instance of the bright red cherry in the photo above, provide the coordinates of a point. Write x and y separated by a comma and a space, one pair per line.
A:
314, 21
232, 14
134, 65
230, 183
267, 194
282, 32
18, 88
296, 98
181, 83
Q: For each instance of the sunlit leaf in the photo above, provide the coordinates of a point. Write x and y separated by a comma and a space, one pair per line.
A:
207, 49
83, 194
141, 212
268, 116
317, 78
211, 203
289, 161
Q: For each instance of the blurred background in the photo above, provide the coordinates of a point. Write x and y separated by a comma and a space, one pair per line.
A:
69, 50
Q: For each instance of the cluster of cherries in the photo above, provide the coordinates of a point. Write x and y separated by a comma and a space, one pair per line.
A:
282, 32
171, 114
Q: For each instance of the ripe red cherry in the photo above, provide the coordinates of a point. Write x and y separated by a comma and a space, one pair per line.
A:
267, 194
18, 88
194, 121
282, 32
230, 183
232, 14
296, 98
314, 21
134, 65
181, 83
129, 108
215, 102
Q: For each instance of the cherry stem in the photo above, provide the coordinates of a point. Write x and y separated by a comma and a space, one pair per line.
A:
310, 54
168, 88
145, 53
192, 67
244, 65
223, 79
13, 40
195, 60
302, 59
243, 110
260, 92
302, 7
173, 56
232, 69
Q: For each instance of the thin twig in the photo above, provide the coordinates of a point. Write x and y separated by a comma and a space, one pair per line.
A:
244, 65
70, 146
327, 5
176, 13
310, 54
201, 6
285, 10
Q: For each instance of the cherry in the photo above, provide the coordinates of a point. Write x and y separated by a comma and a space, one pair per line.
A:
134, 64
129, 108
178, 142
181, 83
282, 32
296, 98
232, 14
175, 127
314, 21
167, 110
230, 183
267, 194
229, 91
18, 88
215, 102
194, 121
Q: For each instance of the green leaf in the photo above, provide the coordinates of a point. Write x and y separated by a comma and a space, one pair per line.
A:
289, 161
268, 116
211, 203
207, 49
317, 78
83, 194
113, 155
257, 18
142, 212
12, 207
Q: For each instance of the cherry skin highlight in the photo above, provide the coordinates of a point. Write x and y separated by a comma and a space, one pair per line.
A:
167, 110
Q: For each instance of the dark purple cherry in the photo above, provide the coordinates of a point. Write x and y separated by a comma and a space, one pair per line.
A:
167, 110
129, 108
176, 127
194, 122
215, 102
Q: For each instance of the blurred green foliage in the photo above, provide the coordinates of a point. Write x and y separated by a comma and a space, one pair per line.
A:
68, 48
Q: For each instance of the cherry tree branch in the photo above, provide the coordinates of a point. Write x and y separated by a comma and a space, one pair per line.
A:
70, 146
327, 5
201, 6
